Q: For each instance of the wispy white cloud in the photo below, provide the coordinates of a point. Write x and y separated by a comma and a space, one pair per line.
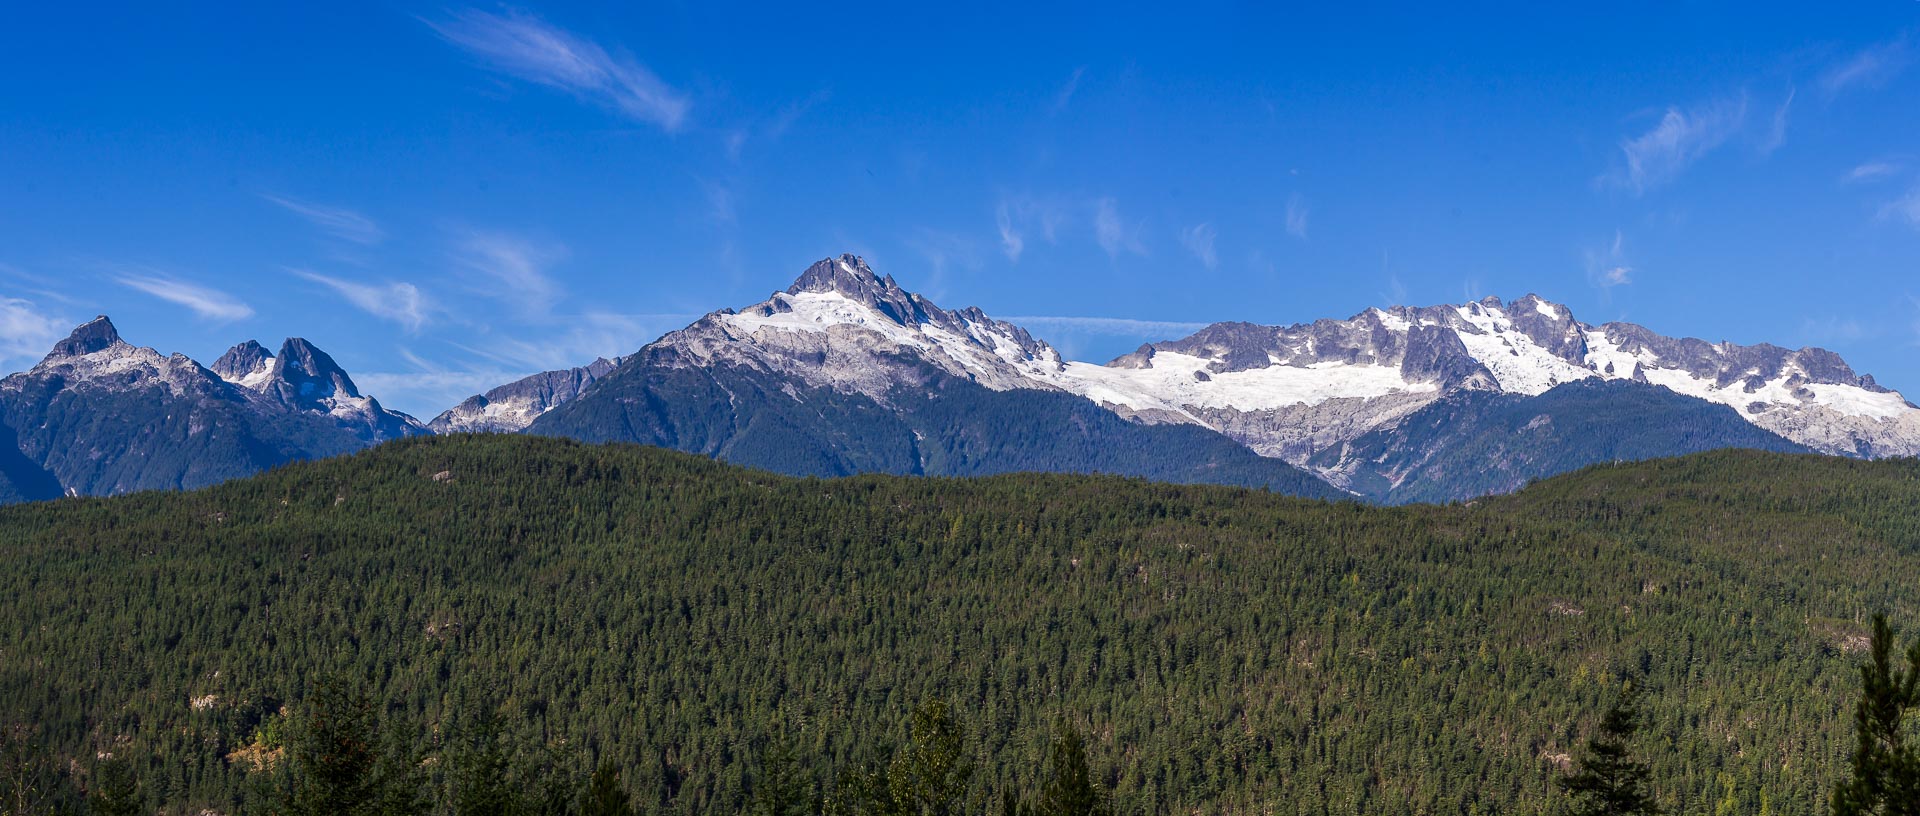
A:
1607, 267
493, 360
1396, 292
791, 112
1915, 302
1067, 89
211, 304
1905, 209
340, 222
943, 251
1114, 234
1868, 67
1297, 216
26, 332
585, 336
719, 202
1011, 242
1198, 239
1018, 216
771, 128
1678, 140
1872, 171
1832, 330
1777, 130
425, 393
527, 47
1109, 326
512, 270
397, 301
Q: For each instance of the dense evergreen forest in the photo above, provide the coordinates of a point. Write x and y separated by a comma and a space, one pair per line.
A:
712, 634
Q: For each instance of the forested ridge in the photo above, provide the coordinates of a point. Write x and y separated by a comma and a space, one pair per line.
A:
1224, 650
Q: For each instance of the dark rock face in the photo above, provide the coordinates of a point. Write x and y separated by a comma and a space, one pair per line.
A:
939, 426
928, 391
241, 360
516, 404
94, 335
1474, 443
100, 416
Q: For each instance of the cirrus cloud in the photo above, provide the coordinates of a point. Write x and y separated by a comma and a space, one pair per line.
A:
527, 47
397, 301
1681, 137
210, 304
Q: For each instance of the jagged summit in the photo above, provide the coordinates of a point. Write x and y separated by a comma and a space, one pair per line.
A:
1291, 391
94, 335
310, 372
514, 406
850, 277
243, 363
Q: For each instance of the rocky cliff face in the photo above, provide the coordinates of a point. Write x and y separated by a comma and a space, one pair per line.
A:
1293, 391
99, 415
514, 406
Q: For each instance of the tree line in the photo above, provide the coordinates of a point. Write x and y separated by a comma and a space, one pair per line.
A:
1217, 649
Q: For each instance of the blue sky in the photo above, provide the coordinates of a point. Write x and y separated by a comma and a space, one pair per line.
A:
448, 196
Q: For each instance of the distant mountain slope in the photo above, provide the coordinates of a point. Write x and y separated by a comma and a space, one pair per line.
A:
514, 406
1331, 396
1294, 391
1227, 651
1472, 443
846, 373
101, 416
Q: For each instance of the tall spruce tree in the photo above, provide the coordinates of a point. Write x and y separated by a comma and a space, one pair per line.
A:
115, 790
605, 796
1886, 768
1070, 790
334, 749
929, 776
1608, 781
782, 788
480, 773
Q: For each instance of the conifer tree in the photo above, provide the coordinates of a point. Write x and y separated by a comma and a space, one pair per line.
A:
333, 752
605, 796
115, 790
1886, 767
929, 776
480, 765
1608, 781
1070, 790
400, 785
781, 789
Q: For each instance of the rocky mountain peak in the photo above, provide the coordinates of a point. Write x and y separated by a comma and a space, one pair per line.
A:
850, 277
242, 360
311, 372
94, 335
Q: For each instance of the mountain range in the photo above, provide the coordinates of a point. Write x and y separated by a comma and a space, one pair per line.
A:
845, 372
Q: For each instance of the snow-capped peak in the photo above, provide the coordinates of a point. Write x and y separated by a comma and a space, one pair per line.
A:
1266, 385
841, 325
247, 365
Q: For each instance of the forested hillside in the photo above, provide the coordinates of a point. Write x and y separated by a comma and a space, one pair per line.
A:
1224, 650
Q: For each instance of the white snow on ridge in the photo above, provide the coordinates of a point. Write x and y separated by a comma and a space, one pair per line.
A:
1520, 365
1854, 401
1393, 322
1847, 400
1174, 382
256, 379
982, 350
